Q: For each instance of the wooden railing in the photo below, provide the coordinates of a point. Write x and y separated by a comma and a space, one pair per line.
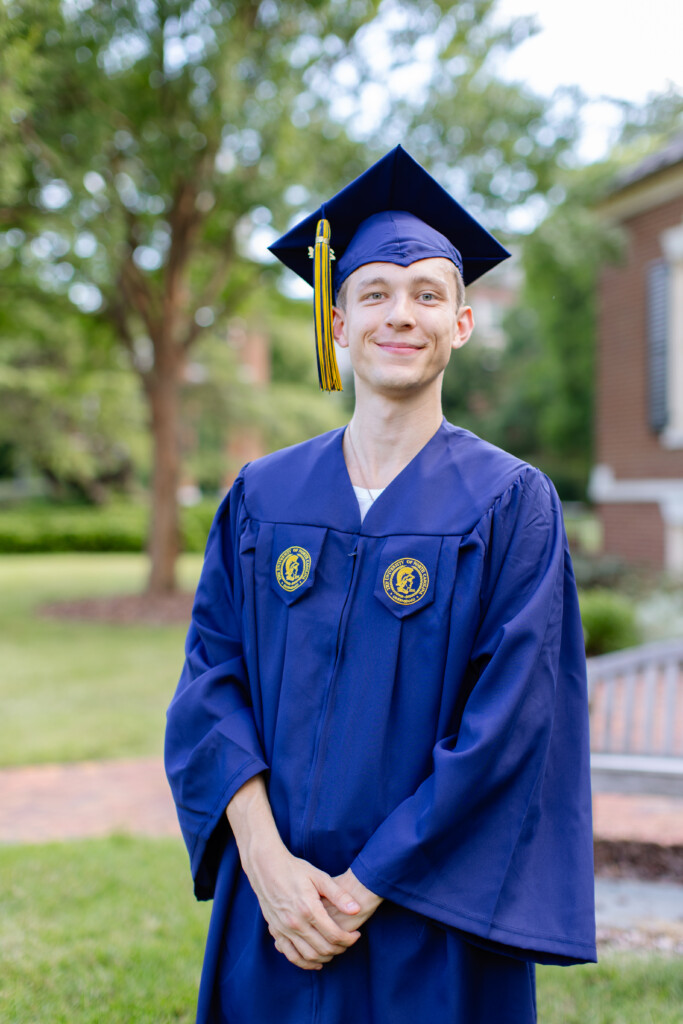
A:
636, 701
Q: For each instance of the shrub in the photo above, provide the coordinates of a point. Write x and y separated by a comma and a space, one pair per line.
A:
609, 621
41, 528
599, 571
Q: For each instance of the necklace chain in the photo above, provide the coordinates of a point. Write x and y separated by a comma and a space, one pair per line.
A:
361, 474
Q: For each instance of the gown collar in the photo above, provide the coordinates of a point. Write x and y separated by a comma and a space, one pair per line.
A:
445, 488
390, 513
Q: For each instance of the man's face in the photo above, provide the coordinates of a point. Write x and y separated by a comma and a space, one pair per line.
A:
401, 323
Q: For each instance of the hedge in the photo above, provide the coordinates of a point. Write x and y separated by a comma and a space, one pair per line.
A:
115, 527
609, 621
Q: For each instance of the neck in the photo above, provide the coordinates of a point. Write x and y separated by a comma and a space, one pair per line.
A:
385, 436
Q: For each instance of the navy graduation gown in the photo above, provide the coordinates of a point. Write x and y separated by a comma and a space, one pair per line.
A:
414, 686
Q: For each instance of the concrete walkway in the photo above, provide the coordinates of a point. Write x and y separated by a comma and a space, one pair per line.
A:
627, 903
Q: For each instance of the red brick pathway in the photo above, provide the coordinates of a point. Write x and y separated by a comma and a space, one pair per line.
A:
71, 801
645, 819
95, 798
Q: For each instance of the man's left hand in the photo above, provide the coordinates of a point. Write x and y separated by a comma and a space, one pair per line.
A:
367, 900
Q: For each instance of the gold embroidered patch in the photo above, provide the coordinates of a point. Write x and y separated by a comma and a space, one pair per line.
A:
406, 581
292, 568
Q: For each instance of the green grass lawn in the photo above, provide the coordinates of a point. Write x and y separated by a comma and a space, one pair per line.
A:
108, 930
77, 690
99, 931
622, 989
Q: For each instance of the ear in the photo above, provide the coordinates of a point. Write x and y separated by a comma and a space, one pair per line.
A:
339, 326
464, 326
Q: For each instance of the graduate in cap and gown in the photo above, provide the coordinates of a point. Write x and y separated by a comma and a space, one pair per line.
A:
378, 747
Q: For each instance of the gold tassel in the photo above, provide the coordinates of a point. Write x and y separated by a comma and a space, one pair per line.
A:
328, 370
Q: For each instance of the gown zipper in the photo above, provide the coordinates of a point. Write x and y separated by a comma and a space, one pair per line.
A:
314, 774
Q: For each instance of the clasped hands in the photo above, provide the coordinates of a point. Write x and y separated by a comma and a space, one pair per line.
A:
312, 916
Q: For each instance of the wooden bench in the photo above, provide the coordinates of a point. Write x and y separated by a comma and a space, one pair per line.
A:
636, 702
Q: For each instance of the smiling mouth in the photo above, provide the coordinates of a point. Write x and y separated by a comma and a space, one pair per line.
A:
400, 346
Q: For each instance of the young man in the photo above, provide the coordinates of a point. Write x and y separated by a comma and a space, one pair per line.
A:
378, 746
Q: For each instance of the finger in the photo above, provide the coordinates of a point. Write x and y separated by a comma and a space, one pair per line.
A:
312, 924
289, 950
315, 949
341, 899
307, 941
346, 922
329, 935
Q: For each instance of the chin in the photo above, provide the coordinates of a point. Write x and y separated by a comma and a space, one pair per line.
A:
398, 384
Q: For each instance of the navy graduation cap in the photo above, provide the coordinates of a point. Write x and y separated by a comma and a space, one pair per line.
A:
394, 212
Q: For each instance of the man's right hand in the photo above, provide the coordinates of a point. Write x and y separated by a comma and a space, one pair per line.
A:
290, 891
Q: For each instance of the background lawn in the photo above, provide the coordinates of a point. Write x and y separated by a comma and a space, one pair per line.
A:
623, 989
108, 930
78, 690
99, 931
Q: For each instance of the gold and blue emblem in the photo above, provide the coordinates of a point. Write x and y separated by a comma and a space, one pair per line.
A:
292, 568
406, 581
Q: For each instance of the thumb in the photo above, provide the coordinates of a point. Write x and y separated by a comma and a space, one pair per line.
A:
337, 895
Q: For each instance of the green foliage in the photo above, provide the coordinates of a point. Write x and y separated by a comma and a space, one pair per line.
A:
69, 407
225, 400
114, 527
593, 570
535, 397
653, 122
195, 523
73, 690
155, 139
609, 621
562, 260
150, 150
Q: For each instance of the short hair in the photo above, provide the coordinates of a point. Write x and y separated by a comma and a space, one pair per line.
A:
459, 291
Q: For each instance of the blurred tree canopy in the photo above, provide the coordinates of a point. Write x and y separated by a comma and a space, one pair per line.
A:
149, 143
69, 406
536, 396
150, 146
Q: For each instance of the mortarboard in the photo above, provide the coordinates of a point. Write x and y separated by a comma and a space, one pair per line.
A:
395, 212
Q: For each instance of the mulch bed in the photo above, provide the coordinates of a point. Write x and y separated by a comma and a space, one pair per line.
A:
632, 859
126, 609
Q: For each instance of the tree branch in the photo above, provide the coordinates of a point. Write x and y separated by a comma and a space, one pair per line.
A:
135, 291
210, 292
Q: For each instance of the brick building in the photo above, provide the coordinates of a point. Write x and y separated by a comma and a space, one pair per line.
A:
637, 482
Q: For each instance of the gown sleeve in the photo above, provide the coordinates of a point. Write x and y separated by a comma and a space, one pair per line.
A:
212, 745
497, 841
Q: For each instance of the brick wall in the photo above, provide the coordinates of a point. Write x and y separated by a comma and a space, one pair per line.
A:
634, 533
623, 438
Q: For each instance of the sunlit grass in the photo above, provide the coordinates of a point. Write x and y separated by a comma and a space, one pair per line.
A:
99, 930
78, 690
622, 989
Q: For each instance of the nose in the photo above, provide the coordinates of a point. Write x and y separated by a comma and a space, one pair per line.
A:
400, 314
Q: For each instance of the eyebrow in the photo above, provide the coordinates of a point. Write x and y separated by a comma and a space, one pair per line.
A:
433, 281
368, 282
423, 279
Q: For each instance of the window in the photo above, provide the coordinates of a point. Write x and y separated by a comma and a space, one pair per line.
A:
658, 344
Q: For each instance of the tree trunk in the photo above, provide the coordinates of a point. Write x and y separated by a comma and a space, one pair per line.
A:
163, 390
